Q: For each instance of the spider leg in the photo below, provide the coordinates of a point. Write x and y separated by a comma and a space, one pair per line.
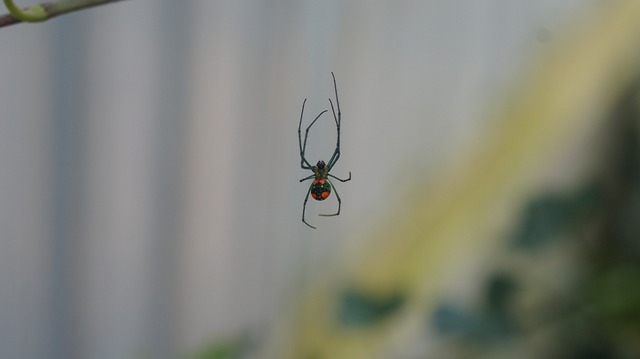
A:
339, 179
339, 201
304, 208
303, 161
338, 120
335, 89
306, 135
313, 175
336, 152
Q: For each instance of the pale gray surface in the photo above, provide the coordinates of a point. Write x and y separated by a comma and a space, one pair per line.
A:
149, 188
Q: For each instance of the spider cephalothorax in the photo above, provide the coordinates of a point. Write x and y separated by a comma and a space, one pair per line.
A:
319, 169
321, 186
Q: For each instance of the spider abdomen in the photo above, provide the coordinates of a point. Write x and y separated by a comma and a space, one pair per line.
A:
320, 189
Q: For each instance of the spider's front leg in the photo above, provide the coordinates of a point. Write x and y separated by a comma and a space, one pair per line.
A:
303, 161
338, 119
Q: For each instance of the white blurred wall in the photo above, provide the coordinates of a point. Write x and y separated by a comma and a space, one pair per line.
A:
149, 194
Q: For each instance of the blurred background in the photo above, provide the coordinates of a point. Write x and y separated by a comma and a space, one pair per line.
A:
150, 205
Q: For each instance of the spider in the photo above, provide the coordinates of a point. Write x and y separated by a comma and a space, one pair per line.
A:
321, 186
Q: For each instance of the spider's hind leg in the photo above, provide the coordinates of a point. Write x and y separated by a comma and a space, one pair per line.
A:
339, 200
304, 208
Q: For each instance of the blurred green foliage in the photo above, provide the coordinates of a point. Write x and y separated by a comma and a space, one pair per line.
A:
358, 309
599, 316
232, 349
550, 215
490, 323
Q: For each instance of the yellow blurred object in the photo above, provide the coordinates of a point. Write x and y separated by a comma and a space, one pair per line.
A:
417, 243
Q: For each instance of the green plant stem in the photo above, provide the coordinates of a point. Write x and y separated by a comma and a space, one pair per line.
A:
34, 13
46, 10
